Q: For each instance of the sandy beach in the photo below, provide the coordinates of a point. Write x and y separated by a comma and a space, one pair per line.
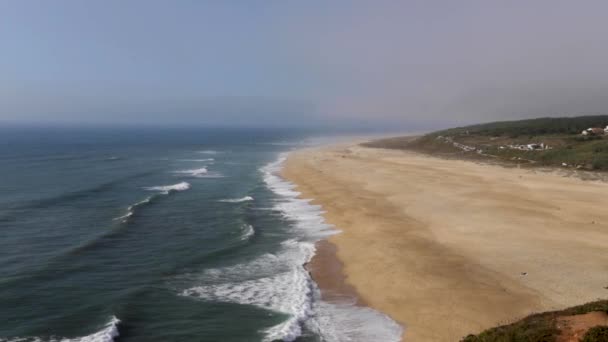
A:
449, 247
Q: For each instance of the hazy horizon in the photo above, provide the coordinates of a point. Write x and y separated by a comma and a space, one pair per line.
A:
387, 64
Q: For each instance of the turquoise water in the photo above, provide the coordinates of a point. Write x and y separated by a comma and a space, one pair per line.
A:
175, 235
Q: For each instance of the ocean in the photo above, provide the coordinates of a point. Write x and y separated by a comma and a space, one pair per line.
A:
162, 235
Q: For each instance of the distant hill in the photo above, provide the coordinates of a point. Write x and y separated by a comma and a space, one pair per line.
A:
535, 142
539, 126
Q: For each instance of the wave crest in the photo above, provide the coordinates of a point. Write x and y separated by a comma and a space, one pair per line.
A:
194, 172
248, 232
237, 200
165, 189
132, 207
107, 334
276, 282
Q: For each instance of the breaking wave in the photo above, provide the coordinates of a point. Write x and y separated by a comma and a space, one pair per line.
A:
163, 190
275, 282
202, 172
107, 334
131, 209
248, 232
237, 200
337, 322
166, 189
342, 321
280, 282
194, 172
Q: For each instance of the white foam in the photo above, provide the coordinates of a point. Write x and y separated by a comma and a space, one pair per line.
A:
200, 173
331, 321
276, 282
194, 172
131, 209
208, 152
237, 200
307, 218
165, 189
124, 217
248, 232
279, 281
107, 334
348, 322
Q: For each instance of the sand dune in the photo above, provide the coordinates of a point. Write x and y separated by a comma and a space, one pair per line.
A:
450, 247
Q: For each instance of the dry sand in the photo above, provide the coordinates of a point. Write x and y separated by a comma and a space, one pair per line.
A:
448, 247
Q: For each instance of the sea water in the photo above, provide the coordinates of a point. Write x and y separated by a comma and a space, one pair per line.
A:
162, 235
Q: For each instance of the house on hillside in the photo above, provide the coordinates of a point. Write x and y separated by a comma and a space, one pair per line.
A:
540, 146
528, 147
595, 131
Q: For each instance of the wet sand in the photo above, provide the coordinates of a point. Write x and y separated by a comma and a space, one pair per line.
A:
326, 269
448, 247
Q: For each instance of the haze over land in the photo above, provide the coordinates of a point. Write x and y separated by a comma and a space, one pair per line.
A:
413, 65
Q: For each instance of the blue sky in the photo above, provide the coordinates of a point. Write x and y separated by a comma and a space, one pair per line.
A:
300, 62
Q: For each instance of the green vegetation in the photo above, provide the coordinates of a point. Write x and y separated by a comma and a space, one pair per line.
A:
532, 127
561, 138
542, 327
596, 334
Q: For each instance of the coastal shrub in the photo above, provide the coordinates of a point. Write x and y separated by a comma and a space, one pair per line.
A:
541, 327
535, 328
600, 162
600, 305
596, 334
600, 146
540, 126
493, 139
580, 138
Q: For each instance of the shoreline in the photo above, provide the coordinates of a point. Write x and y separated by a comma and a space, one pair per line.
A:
337, 315
326, 269
440, 276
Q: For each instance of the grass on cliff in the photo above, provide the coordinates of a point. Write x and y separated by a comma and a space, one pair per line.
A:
542, 327
568, 148
596, 334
